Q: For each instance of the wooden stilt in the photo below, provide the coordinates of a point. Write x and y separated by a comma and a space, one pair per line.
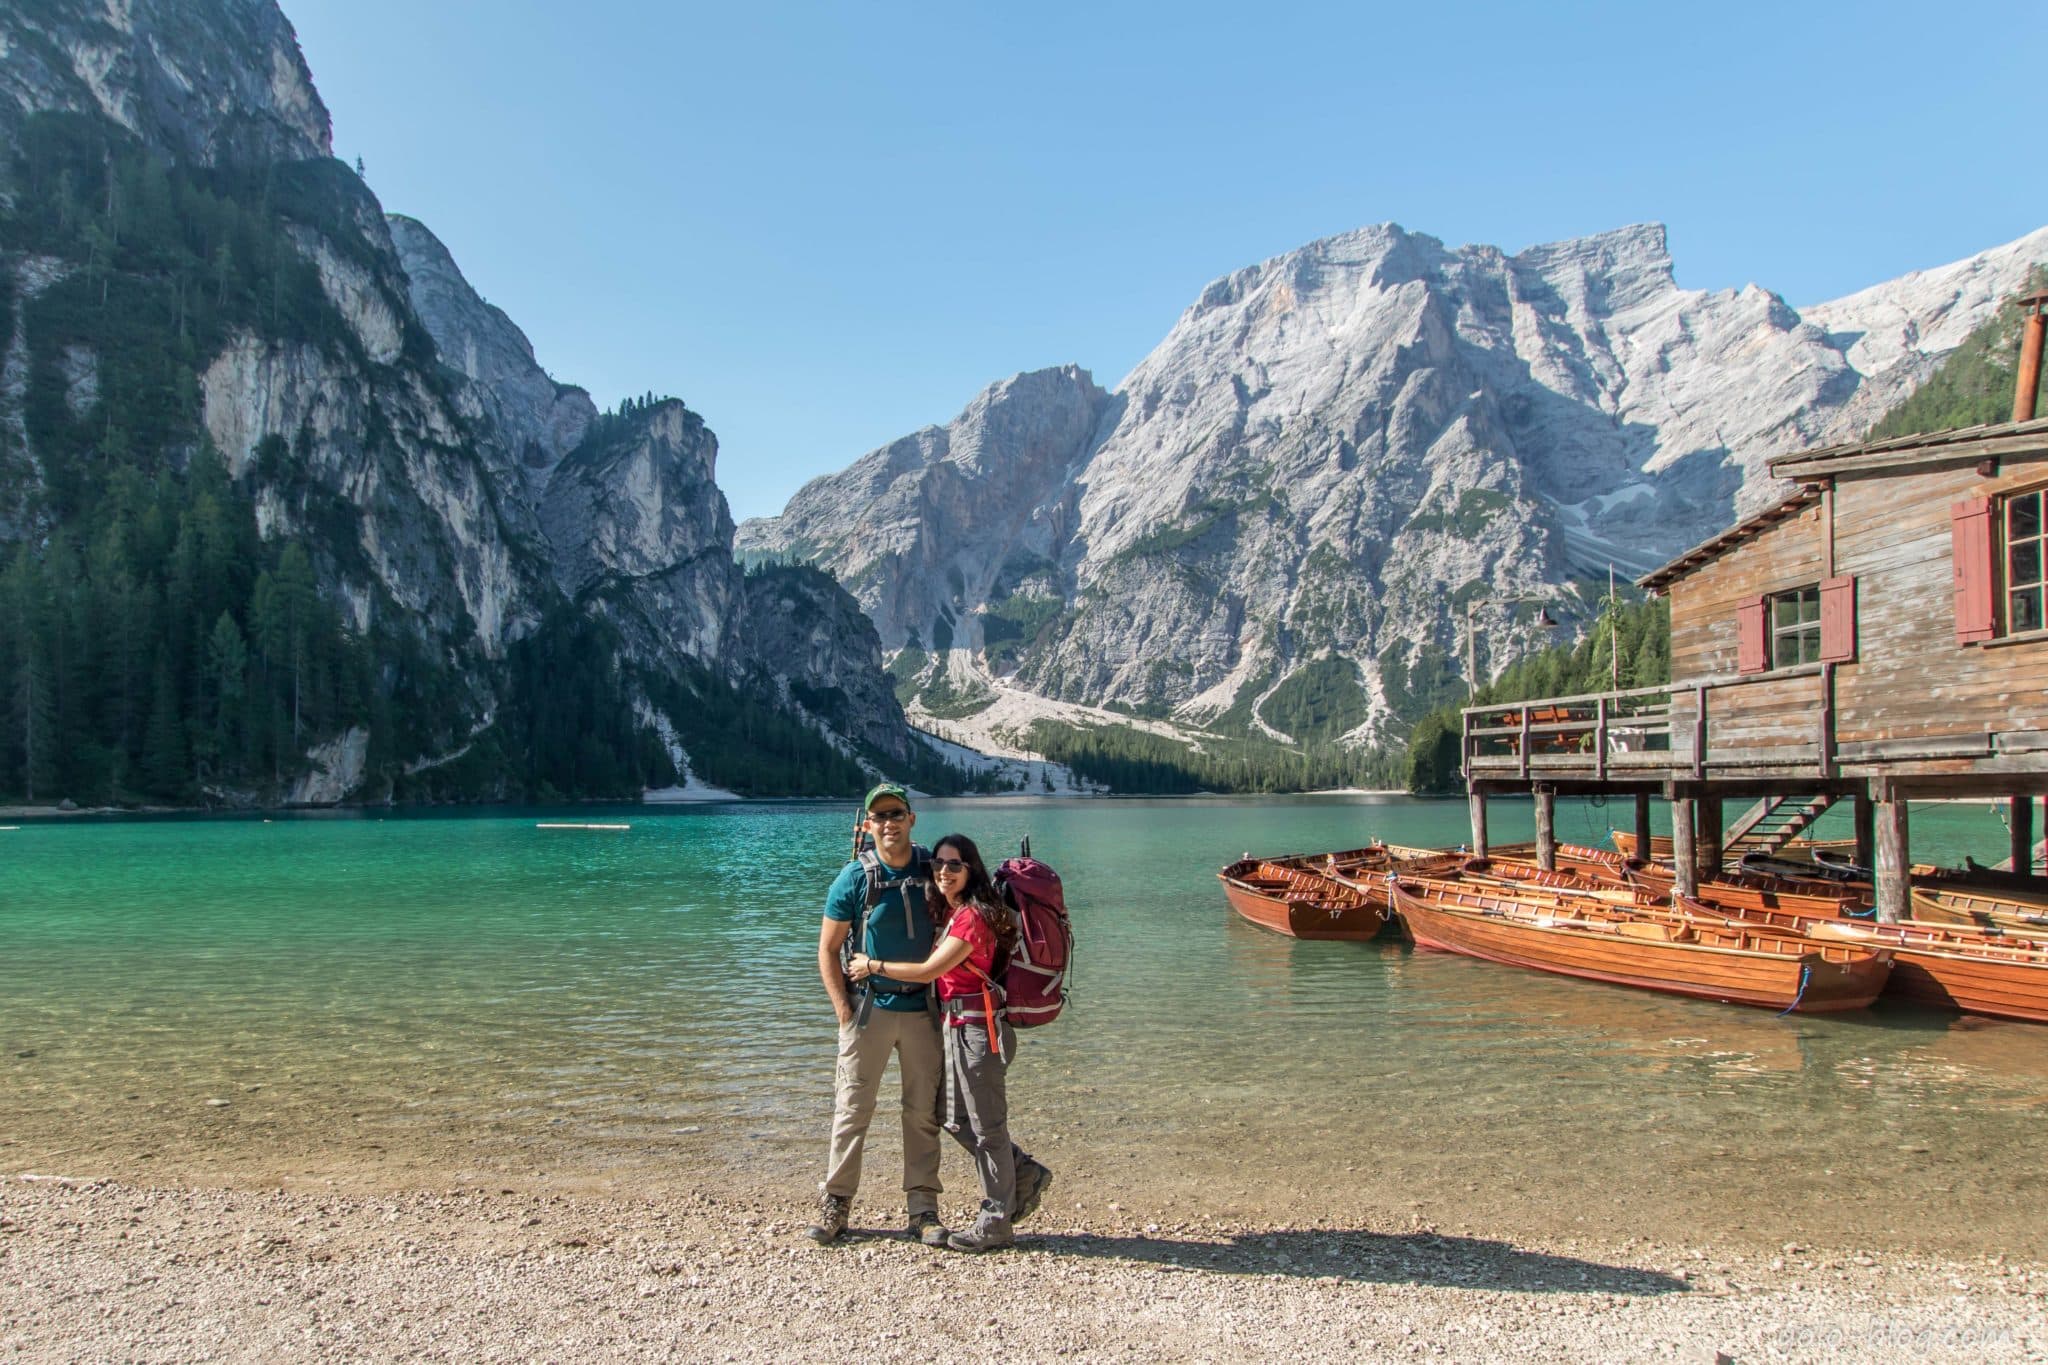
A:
2022, 834
1478, 803
1643, 826
1708, 842
1683, 859
1866, 831
1894, 862
1546, 829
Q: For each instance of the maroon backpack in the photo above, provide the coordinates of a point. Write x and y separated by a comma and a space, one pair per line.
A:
1035, 982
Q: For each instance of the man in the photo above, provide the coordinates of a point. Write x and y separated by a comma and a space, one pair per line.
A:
882, 898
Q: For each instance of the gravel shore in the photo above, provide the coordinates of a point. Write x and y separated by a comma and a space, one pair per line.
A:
101, 1270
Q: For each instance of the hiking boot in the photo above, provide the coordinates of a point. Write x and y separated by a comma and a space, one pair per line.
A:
1033, 1180
832, 1211
991, 1231
925, 1227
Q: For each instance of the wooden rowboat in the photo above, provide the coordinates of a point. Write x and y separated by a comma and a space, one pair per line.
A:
1741, 892
1339, 895
1301, 904
1967, 907
1945, 967
1660, 951
1514, 873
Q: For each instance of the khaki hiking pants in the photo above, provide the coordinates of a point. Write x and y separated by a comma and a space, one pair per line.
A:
913, 1035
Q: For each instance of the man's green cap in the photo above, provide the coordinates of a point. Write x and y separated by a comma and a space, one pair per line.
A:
883, 789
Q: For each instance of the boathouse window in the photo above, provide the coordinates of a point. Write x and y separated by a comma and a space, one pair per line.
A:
1795, 627
2001, 565
2024, 554
1812, 624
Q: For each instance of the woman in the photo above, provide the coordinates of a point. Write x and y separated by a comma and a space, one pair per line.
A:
979, 934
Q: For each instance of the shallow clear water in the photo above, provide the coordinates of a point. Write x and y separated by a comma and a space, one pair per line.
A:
436, 998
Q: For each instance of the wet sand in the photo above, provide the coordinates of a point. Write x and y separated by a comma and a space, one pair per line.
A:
1568, 1172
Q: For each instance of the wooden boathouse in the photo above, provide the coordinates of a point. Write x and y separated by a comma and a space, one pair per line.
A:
1878, 635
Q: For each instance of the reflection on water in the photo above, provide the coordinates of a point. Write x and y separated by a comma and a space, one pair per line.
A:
470, 993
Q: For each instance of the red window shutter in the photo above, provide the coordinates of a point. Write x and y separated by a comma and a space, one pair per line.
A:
1752, 644
1970, 529
1837, 620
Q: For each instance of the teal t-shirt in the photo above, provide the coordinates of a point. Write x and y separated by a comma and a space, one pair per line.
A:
891, 936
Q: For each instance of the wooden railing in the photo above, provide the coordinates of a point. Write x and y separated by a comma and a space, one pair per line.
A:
1688, 729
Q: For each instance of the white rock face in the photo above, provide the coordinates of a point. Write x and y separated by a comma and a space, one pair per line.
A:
640, 531
218, 83
357, 295
336, 771
1334, 451
425, 522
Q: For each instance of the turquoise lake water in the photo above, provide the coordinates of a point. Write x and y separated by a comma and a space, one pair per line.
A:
439, 998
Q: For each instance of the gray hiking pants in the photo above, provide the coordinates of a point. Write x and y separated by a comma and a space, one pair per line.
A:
977, 1113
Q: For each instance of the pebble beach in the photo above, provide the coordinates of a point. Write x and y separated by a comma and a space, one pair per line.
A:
107, 1270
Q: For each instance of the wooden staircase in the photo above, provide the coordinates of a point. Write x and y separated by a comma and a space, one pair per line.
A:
1771, 824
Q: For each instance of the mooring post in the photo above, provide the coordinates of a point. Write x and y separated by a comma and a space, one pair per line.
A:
1894, 861
1683, 859
1866, 831
1643, 826
1546, 828
1478, 802
1708, 845
2022, 833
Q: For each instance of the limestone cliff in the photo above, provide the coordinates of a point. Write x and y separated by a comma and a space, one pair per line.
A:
456, 501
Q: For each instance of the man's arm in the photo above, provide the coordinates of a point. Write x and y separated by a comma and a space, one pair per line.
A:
833, 933
950, 953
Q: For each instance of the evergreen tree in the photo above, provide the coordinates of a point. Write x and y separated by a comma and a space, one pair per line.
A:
293, 600
164, 763
32, 725
227, 660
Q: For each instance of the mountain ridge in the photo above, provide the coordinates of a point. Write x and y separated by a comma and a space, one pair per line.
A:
1334, 451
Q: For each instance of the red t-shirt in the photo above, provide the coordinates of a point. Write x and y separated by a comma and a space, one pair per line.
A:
968, 926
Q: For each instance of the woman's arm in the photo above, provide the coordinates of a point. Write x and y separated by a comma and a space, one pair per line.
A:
950, 953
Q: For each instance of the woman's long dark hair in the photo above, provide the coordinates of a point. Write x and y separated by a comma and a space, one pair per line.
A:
981, 893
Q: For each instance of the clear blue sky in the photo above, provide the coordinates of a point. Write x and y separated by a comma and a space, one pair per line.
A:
825, 225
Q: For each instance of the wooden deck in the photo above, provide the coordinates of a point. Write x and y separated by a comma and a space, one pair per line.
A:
1777, 728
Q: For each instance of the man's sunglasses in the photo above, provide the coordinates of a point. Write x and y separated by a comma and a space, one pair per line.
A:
889, 817
949, 864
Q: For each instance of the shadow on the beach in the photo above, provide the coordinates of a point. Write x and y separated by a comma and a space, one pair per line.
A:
1378, 1258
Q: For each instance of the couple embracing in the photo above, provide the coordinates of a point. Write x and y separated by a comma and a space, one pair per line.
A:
930, 934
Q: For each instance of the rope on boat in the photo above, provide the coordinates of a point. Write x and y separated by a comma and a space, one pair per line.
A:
1805, 975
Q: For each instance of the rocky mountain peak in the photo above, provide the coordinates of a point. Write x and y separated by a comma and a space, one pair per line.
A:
532, 421
948, 517
1608, 271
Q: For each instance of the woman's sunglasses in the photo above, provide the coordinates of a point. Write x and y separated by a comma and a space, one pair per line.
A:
949, 865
